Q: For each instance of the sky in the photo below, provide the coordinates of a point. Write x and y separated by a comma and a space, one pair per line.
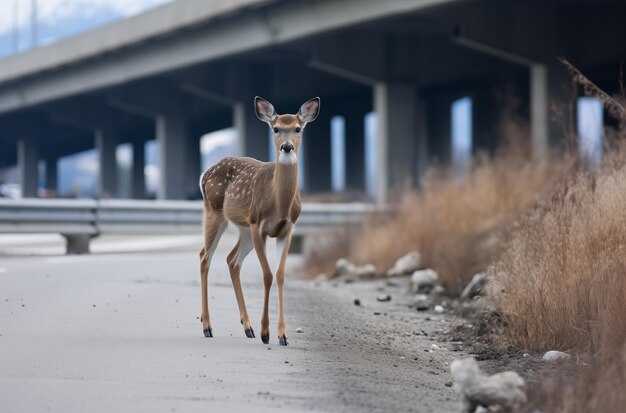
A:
57, 19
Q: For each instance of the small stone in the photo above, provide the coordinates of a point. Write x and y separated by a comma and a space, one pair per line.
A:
383, 297
343, 267
503, 391
421, 302
525, 355
439, 309
434, 347
448, 384
357, 302
424, 281
405, 265
299, 330
475, 287
321, 277
556, 356
365, 271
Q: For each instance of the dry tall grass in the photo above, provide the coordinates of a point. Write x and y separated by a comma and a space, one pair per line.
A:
562, 280
455, 225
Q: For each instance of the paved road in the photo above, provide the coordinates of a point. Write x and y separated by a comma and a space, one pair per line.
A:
119, 332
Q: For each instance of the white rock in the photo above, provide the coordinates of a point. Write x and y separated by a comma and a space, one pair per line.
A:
424, 280
439, 309
406, 264
345, 267
505, 390
556, 356
321, 277
525, 355
367, 270
434, 347
475, 286
421, 302
299, 330
383, 297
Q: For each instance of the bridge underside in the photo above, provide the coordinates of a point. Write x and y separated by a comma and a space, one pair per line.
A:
407, 69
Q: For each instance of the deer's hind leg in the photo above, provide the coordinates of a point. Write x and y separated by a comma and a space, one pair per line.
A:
214, 226
235, 260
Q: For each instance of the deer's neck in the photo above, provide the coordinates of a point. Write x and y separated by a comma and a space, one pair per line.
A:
285, 186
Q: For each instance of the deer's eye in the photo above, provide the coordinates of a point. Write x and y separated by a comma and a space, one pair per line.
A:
275, 130
297, 130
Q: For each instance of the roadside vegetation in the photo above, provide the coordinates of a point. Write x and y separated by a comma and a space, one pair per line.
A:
551, 236
456, 225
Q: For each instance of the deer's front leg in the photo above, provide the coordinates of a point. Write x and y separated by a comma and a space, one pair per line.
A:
282, 247
259, 246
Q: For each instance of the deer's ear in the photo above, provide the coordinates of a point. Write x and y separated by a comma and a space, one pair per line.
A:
264, 110
309, 110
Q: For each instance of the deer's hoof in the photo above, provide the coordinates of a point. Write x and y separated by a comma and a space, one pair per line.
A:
282, 341
250, 333
265, 339
208, 333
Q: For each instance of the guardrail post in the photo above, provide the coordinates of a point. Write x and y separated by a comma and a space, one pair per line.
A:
27, 160
77, 244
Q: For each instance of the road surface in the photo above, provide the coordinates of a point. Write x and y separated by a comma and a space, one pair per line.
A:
115, 332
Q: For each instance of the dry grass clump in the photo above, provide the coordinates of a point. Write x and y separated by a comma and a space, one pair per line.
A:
454, 224
561, 282
596, 387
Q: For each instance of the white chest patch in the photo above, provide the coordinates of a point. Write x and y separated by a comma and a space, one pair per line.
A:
287, 158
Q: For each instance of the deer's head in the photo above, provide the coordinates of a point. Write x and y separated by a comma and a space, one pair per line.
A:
287, 128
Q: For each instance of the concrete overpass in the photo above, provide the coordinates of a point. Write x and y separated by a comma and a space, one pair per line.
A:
192, 66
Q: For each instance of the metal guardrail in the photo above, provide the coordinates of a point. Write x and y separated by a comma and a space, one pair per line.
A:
79, 220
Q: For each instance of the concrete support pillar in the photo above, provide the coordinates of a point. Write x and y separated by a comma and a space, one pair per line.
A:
193, 166
27, 161
106, 144
439, 130
317, 149
421, 143
561, 111
539, 110
396, 109
484, 117
172, 134
137, 173
51, 174
355, 150
253, 135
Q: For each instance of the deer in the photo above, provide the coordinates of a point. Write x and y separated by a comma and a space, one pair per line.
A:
262, 199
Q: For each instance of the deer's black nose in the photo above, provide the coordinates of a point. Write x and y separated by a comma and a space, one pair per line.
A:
286, 147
